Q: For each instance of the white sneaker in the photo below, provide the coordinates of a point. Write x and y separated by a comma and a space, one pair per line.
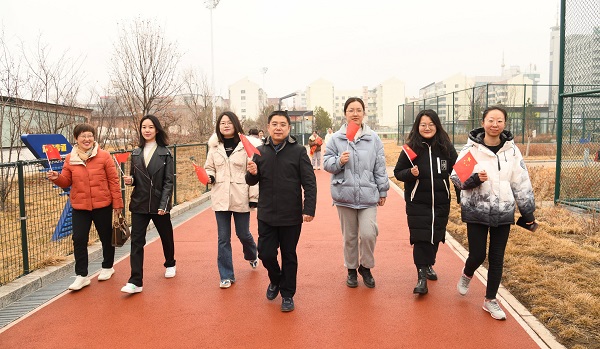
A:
131, 288
105, 274
79, 283
225, 283
254, 263
463, 284
170, 272
493, 307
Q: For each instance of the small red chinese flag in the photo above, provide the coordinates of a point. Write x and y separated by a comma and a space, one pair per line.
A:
409, 152
250, 149
51, 152
201, 173
121, 157
351, 131
464, 167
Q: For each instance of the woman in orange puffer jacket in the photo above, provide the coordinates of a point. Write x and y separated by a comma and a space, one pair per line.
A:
95, 194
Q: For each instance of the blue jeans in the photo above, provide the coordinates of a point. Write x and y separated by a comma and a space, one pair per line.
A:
242, 230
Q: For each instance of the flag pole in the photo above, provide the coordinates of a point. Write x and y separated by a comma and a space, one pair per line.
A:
118, 165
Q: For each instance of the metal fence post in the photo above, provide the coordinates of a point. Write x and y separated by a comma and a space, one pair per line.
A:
23, 217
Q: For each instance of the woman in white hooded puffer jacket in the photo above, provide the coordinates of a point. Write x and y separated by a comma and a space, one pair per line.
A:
488, 198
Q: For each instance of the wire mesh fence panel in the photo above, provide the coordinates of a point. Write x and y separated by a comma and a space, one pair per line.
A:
579, 160
34, 229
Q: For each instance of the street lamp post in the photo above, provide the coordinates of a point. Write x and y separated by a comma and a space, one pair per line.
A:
303, 129
211, 5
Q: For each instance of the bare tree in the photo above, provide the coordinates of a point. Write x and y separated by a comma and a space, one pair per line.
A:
197, 98
143, 71
14, 120
56, 82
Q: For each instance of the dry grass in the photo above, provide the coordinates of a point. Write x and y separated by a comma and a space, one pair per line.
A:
554, 272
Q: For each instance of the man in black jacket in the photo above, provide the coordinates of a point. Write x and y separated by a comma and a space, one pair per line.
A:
283, 171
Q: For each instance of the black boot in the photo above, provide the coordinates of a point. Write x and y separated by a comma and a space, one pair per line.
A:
430, 273
421, 287
352, 280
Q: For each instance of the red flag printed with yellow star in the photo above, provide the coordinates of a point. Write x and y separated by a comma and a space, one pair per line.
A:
464, 167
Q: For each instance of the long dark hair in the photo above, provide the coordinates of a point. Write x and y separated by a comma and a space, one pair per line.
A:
440, 141
236, 125
161, 136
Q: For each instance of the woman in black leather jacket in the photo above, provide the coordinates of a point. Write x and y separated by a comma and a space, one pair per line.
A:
151, 174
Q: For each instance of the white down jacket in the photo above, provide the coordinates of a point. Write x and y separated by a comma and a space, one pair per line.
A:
493, 202
230, 191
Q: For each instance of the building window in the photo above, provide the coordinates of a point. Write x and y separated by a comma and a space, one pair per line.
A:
243, 110
243, 98
455, 85
243, 91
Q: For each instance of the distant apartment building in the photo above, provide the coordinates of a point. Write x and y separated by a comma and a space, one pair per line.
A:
381, 102
453, 96
320, 94
246, 98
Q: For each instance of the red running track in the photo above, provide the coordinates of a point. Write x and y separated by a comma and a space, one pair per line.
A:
191, 311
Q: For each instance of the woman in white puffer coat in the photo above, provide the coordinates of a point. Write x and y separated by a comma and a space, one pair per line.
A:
488, 198
225, 165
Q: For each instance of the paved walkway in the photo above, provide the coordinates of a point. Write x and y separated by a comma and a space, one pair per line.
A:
191, 311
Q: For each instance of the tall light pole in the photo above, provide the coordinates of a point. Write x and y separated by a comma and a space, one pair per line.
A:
211, 5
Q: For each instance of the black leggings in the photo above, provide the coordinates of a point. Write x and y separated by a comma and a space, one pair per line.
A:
477, 235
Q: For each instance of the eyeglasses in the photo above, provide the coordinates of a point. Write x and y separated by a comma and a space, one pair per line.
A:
427, 125
86, 136
226, 123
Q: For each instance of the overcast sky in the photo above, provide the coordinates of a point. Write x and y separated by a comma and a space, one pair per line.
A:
350, 43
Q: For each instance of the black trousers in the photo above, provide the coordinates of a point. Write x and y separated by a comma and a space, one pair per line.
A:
285, 238
139, 224
82, 222
424, 253
477, 235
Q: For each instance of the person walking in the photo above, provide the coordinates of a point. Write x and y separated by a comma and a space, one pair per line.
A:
359, 183
499, 182
286, 177
225, 165
426, 191
315, 142
327, 138
95, 196
151, 174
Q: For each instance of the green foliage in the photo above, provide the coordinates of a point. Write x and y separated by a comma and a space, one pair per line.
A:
322, 120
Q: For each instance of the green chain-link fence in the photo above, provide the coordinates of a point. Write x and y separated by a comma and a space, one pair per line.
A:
460, 111
31, 206
578, 141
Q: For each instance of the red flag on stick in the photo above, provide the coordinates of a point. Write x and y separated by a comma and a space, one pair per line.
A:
201, 173
121, 157
351, 131
250, 149
465, 166
51, 152
409, 152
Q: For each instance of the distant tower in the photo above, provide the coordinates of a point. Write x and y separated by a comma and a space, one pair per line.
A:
263, 71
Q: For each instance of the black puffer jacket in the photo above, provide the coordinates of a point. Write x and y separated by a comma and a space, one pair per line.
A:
427, 206
153, 185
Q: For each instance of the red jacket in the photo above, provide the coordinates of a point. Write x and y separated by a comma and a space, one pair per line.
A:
94, 183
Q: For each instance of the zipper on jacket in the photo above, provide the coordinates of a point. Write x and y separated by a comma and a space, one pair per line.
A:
446, 186
432, 195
